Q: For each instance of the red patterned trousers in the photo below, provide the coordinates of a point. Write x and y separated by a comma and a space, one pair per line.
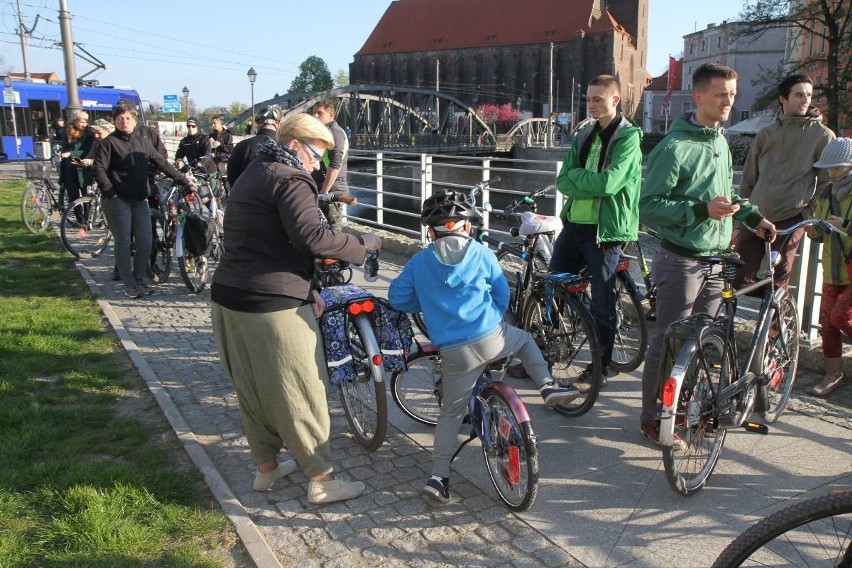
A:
835, 316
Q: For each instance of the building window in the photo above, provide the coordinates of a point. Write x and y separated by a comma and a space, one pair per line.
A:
719, 42
703, 45
691, 48
744, 115
686, 106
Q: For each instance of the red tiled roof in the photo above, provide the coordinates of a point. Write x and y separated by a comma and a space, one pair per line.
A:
422, 25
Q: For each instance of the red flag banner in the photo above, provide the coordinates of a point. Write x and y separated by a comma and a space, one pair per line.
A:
671, 81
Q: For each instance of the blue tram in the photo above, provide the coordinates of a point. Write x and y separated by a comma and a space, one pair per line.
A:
42, 103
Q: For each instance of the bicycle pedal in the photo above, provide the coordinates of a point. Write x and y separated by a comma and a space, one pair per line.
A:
756, 427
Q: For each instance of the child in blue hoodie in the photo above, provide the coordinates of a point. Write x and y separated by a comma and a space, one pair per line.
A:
459, 287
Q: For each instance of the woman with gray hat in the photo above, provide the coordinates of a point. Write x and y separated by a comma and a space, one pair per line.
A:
835, 314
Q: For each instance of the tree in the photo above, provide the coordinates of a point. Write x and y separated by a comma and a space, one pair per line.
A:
825, 23
313, 76
341, 79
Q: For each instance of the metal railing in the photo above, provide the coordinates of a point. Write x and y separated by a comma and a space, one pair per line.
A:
392, 186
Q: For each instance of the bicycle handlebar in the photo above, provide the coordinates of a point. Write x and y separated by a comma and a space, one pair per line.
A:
819, 223
528, 199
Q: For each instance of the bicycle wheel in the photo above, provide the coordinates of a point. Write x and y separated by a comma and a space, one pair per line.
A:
161, 253
83, 228
513, 269
364, 398
420, 323
193, 270
512, 458
417, 390
631, 331
781, 362
569, 343
36, 207
816, 532
706, 371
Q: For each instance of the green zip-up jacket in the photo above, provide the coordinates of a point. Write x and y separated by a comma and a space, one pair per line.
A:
687, 169
616, 187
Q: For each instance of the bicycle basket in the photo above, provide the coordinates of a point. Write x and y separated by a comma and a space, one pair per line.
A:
39, 169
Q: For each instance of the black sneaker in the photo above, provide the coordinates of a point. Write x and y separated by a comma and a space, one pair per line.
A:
115, 275
516, 371
554, 394
148, 289
134, 291
438, 489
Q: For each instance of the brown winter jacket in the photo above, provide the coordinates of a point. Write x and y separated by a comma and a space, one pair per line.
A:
779, 175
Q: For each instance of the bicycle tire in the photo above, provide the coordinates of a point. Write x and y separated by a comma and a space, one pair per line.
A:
781, 364
512, 461
514, 268
688, 470
420, 323
194, 272
417, 389
161, 253
631, 331
84, 230
569, 344
36, 207
364, 398
816, 532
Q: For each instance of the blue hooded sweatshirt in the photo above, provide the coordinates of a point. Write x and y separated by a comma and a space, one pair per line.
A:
458, 286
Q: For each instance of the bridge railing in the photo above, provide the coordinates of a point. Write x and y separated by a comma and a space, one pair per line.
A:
392, 186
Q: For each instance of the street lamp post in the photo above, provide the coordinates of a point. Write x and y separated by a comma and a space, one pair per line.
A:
252, 75
185, 92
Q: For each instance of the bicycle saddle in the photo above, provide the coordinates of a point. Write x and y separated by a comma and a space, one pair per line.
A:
730, 259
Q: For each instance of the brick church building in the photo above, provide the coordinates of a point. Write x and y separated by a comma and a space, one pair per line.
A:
503, 51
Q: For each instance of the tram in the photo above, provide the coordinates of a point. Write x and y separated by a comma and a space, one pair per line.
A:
40, 104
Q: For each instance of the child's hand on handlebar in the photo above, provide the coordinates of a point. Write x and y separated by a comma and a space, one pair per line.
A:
836, 221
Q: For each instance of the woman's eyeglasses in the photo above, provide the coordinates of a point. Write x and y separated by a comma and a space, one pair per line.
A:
317, 156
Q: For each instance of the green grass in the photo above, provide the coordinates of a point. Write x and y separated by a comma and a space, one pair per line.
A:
89, 475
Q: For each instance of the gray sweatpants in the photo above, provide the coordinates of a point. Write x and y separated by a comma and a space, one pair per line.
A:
276, 365
681, 291
462, 366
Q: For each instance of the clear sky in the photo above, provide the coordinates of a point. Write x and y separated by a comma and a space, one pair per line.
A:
159, 46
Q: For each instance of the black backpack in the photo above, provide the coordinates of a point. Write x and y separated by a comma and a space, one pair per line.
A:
197, 235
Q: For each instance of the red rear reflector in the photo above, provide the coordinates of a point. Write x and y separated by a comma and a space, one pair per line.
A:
191, 198
366, 306
354, 309
669, 391
577, 288
377, 360
623, 265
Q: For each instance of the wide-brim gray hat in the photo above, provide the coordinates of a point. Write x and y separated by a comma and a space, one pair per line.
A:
836, 154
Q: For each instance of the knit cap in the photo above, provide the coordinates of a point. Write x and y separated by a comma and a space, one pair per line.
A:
837, 153
101, 124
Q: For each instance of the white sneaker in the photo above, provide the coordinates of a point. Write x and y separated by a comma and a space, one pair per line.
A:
320, 492
264, 481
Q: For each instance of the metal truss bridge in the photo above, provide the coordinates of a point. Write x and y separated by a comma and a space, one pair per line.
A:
384, 117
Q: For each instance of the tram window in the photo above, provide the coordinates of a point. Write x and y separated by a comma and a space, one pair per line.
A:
8, 128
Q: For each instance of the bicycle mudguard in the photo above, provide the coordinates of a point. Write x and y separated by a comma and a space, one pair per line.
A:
515, 402
670, 392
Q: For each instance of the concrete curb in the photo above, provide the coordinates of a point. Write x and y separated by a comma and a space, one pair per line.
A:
256, 547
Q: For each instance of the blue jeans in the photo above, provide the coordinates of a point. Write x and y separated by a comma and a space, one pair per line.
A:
130, 219
576, 248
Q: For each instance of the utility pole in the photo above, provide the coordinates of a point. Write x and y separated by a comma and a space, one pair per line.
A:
550, 102
70, 69
437, 88
23, 37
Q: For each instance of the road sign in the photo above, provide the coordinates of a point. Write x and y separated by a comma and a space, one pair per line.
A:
171, 107
169, 99
11, 97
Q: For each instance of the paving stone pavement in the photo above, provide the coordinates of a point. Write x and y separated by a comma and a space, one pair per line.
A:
603, 499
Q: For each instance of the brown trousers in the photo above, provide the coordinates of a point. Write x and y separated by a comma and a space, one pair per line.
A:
752, 248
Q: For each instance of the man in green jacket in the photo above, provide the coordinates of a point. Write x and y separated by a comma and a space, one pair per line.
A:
601, 176
688, 197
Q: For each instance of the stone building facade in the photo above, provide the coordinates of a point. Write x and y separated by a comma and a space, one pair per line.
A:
505, 51
748, 56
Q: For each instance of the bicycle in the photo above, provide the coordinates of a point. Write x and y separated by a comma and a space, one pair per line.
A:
84, 230
331, 272
362, 337
816, 532
645, 270
498, 419
705, 394
551, 307
42, 197
631, 332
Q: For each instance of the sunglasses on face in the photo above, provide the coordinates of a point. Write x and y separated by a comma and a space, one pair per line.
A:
191, 126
